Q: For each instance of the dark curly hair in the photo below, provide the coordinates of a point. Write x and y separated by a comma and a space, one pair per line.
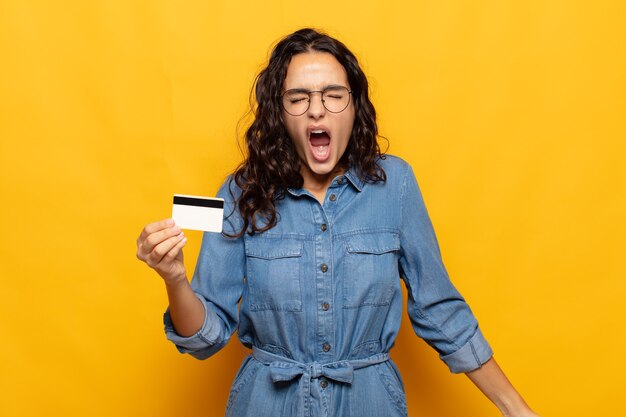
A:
272, 165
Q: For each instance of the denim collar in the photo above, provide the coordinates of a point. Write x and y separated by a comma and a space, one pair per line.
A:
354, 179
351, 175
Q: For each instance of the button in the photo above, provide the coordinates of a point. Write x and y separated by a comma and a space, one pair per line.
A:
323, 383
325, 306
340, 181
324, 268
326, 347
333, 197
323, 227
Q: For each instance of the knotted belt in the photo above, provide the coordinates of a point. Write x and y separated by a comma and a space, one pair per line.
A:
283, 369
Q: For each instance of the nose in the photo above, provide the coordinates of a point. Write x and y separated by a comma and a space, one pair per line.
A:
316, 105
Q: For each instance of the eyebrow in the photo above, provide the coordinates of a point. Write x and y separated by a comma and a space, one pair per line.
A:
328, 87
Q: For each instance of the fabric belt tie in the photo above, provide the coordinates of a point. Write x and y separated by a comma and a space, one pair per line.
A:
283, 369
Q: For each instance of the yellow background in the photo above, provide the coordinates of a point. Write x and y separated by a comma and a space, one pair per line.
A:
512, 114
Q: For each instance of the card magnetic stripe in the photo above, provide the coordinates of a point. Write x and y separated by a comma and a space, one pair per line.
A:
198, 202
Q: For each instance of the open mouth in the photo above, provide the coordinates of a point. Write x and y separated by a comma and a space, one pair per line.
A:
320, 143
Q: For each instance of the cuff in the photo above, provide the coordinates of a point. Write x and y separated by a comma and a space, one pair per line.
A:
205, 337
470, 356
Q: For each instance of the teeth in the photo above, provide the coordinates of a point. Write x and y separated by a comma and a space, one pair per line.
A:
317, 131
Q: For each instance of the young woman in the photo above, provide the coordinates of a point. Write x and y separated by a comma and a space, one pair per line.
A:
320, 229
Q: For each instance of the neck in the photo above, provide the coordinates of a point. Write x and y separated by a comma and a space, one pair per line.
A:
317, 184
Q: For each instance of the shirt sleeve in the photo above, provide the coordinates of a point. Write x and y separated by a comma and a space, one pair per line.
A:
438, 312
218, 282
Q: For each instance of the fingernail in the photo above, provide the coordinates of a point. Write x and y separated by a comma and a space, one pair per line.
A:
169, 222
176, 230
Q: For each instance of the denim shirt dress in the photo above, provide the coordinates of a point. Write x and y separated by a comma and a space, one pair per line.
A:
318, 299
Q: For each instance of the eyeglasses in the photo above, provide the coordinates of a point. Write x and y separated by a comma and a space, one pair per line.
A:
334, 98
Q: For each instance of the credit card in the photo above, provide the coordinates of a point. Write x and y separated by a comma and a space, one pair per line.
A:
198, 213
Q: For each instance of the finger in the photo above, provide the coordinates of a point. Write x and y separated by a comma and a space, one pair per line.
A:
145, 247
157, 254
175, 251
155, 227
171, 265
156, 238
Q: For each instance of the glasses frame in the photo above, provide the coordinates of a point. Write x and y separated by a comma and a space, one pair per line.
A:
310, 92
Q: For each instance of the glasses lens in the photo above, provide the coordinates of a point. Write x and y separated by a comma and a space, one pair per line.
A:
336, 99
296, 102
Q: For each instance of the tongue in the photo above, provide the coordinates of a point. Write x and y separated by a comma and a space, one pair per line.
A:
319, 139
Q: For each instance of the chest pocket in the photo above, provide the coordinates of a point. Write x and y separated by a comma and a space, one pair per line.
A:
273, 273
371, 272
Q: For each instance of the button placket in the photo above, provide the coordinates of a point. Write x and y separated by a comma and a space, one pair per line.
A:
324, 280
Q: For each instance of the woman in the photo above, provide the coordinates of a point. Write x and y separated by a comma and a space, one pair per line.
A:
323, 227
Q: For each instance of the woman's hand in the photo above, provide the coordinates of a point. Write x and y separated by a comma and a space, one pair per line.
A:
160, 246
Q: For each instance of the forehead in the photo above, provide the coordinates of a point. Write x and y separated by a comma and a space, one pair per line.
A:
315, 71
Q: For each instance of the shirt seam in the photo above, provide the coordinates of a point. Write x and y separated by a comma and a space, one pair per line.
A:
474, 352
417, 310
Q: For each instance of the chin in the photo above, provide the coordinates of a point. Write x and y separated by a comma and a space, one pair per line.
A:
322, 168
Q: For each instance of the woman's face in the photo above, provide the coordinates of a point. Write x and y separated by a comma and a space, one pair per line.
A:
319, 136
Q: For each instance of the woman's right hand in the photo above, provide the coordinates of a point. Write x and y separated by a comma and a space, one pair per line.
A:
160, 246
